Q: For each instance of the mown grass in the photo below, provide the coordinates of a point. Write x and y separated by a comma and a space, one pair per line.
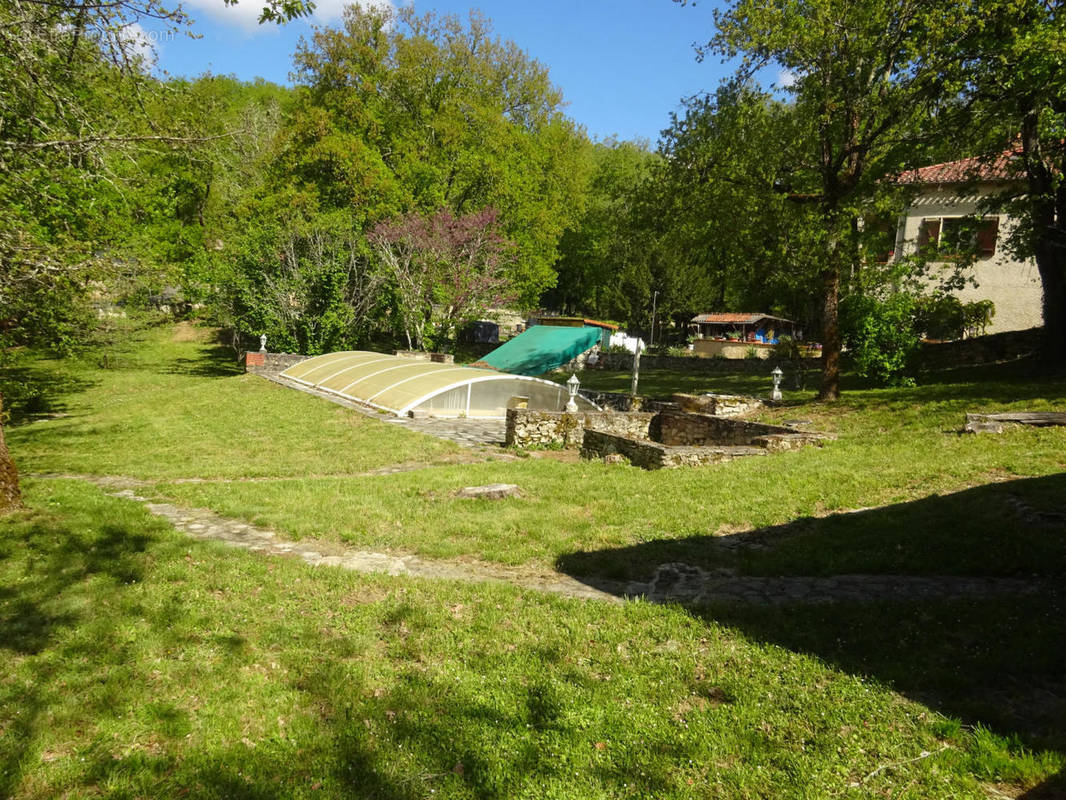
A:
894, 448
138, 663
172, 404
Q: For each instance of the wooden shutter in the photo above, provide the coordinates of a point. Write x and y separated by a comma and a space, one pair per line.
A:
987, 233
928, 234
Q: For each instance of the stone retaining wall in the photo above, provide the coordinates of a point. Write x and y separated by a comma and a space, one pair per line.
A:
623, 362
258, 361
422, 355
527, 428
989, 349
616, 401
653, 455
681, 428
717, 405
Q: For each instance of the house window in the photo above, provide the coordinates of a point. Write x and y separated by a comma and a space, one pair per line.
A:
953, 237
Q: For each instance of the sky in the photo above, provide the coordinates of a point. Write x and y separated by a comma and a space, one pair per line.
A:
623, 65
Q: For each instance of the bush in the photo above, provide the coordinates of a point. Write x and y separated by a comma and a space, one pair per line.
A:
880, 335
944, 316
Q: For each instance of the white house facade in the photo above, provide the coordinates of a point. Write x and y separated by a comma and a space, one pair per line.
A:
942, 213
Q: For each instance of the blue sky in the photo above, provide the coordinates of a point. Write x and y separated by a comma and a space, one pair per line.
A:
623, 66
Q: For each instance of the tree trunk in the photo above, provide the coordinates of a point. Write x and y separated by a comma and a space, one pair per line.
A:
1047, 202
830, 389
1051, 264
10, 497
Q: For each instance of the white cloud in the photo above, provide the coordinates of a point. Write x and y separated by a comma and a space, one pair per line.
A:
245, 14
785, 78
140, 42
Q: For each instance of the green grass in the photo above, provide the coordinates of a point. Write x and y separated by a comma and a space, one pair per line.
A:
174, 405
895, 448
138, 663
135, 662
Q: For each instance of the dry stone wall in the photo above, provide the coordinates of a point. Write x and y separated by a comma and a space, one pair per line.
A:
684, 429
717, 405
623, 362
527, 428
654, 455
273, 363
1005, 346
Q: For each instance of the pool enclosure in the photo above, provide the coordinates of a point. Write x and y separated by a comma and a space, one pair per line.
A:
405, 386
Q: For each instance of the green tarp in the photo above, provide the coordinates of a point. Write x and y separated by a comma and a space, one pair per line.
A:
541, 348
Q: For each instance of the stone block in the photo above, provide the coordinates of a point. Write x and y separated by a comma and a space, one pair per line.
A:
492, 491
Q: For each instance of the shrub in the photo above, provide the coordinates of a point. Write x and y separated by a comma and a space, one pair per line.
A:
880, 335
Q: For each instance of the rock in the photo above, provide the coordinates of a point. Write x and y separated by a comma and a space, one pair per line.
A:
614, 458
492, 491
983, 426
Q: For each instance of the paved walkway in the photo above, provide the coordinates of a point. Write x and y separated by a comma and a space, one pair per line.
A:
670, 583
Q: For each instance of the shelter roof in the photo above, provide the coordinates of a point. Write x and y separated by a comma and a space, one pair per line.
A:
541, 348
735, 318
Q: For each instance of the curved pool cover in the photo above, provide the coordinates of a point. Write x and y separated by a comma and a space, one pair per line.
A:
405, 386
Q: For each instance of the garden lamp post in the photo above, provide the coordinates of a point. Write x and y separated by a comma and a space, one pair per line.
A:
777, 374
571, 386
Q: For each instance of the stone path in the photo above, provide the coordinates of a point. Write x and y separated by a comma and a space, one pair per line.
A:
670, 583
206, 525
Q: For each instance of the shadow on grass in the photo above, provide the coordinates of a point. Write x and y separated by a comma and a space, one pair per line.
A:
213, 360
994, 662
32, 393
36, 613
96, 620
1013, 528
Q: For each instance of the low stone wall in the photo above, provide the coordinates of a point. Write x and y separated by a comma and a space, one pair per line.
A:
616, 401
653, 455
717, 405
681, 428
989, 349
623, 362
527, 428
258, 361
422, 355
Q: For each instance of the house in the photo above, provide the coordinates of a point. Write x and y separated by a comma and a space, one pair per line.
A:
941, 219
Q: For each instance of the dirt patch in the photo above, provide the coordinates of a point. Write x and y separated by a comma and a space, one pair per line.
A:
187, 332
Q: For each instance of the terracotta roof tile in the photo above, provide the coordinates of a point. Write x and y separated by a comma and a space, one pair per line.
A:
966, 170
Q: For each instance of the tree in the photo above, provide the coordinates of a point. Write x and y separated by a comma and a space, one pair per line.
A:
445, 270
399, 114
73, 90
725, 189
1016, 62
864, 77
601, 256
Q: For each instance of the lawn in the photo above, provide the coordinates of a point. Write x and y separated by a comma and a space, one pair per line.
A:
135, 662
172, 404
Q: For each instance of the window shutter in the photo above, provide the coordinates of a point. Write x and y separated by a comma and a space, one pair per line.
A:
987, 232
929, 234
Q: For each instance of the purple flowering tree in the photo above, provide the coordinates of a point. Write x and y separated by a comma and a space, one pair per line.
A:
445, 270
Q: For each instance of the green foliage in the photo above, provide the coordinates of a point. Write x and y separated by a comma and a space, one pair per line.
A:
603, 259
399, 113
879, 335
